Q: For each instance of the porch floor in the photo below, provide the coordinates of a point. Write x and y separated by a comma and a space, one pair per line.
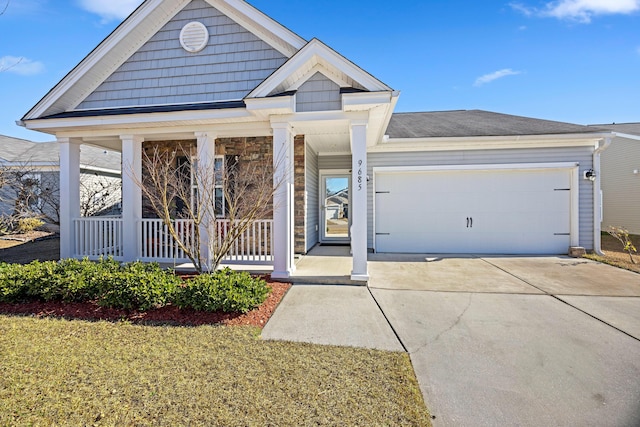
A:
326, 265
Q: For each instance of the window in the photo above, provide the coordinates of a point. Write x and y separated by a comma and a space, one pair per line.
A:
218, 168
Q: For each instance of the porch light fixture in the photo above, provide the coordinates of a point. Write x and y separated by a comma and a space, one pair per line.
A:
590, 174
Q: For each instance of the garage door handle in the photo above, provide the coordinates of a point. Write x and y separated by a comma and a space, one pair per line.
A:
469, 222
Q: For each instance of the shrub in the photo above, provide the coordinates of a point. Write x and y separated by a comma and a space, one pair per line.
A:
26, 225
137, 286
226, 290
14, 283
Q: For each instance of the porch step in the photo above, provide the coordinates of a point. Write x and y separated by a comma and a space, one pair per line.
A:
323, 280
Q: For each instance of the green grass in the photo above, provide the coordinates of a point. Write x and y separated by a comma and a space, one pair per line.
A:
59, 372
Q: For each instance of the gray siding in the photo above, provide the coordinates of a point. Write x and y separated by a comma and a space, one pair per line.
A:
318, 94
162, 72
582, 155
620, 186
334, 162
311, 194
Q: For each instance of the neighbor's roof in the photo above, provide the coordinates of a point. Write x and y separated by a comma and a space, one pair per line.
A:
467, 123
628, 128
21, 151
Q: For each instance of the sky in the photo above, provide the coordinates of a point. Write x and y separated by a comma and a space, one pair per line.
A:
575, 61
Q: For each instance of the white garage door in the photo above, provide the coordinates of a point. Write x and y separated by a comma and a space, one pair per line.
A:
491, 212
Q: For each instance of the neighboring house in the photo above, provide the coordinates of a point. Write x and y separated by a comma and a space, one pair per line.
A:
232, 81
32, 178
621, 178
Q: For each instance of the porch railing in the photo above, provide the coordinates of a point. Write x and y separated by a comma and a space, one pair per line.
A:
97, 237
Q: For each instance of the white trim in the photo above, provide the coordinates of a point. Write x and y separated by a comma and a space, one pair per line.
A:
573, 167
486, 143
318, 68
626, 136
475, 167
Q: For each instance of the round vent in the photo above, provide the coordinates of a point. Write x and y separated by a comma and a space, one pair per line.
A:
194, 37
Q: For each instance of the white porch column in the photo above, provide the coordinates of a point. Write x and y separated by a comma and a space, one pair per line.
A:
283, 213
69, 194
358, 206
206, 182
131, 195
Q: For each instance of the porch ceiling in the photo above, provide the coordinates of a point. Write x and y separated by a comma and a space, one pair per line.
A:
325, 137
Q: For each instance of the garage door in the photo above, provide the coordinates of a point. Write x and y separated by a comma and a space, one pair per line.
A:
471, 211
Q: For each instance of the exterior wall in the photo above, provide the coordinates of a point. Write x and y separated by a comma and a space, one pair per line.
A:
312, 193
257, 151
318, 94
334, 162
620, 186
582, 155
233, 63
299, 195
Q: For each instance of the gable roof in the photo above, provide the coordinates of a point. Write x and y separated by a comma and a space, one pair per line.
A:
316, 57
136, 30
23, 152
475, 123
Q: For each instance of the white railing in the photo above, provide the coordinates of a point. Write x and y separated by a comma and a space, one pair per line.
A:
254, 245
96, 237
159, 245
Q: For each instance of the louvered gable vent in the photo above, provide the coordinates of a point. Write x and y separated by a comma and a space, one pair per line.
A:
194, 37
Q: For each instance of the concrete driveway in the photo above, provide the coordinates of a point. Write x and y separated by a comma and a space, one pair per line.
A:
551, 341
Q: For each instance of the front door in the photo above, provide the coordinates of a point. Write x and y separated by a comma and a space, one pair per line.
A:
335, 208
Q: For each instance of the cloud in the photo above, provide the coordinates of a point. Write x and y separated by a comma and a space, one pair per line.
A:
111, 9
488, 78
20, 65
579, 10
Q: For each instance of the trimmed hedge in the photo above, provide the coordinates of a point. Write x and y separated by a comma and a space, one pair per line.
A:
133, 286
225, 290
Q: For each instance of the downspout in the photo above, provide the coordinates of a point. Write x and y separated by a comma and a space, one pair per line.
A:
597, 195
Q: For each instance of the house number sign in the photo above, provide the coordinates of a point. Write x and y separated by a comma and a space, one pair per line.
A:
359, 175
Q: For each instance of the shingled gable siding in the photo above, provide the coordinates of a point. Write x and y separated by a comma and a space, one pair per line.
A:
582, 155
162, 72
318, 93
255, 150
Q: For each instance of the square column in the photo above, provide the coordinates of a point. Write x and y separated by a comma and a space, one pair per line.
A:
358, 206
283, 203
69, 194
205, 175
131, 196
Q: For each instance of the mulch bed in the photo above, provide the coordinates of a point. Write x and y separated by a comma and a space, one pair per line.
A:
167, 315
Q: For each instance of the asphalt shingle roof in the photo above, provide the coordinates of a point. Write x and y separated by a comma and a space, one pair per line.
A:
628, 128
22, 151
469, 123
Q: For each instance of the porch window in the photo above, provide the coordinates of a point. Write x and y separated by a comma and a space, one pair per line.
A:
218, 169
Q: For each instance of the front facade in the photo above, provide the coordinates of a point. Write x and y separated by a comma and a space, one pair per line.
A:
226, 79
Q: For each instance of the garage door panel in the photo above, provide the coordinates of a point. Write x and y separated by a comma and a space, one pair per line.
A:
513, 211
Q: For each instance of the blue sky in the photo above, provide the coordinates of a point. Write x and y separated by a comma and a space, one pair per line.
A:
568, 60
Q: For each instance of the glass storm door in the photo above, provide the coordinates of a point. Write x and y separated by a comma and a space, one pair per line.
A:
335, 215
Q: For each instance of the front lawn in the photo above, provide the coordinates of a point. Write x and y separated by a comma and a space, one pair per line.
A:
55, 371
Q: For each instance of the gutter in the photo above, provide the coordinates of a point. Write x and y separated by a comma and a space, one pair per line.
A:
597, 194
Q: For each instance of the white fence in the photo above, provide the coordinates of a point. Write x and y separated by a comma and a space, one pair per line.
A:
97, 237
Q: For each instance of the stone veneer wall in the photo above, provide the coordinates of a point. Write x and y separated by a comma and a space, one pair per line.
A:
253, 149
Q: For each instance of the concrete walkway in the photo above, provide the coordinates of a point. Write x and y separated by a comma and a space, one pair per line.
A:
332, 315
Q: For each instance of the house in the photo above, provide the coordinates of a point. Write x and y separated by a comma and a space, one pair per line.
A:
32, 172
229, 80
621, 178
